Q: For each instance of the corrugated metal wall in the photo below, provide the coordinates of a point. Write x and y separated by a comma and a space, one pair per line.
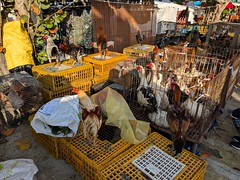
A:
121, 22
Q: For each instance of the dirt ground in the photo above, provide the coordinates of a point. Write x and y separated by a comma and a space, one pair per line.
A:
223, 160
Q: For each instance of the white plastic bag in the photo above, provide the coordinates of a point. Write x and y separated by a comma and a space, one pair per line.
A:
63, 112
23, 169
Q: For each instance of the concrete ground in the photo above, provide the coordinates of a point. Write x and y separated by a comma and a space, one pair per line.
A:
223, 160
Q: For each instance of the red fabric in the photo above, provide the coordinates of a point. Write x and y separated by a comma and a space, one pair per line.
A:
229, 6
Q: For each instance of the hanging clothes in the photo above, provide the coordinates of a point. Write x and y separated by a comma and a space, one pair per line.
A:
75, 29
87, 29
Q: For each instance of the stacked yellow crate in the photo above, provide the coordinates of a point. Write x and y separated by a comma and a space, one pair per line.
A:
86, 159
101, 66
122, 166
58, 79
137, 50
48, 142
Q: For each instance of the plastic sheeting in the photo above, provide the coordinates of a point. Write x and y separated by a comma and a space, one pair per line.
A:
118, 114
18, 45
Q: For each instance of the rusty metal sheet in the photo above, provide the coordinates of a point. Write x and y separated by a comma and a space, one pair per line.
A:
121, 21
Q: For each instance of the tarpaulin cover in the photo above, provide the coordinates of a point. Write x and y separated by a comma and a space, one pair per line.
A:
18, 45
118, 114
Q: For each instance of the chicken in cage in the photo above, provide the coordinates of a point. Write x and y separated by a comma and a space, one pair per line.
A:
184, 88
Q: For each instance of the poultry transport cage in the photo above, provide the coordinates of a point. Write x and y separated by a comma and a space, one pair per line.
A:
218, 52
86, 159
202, 81
154, 162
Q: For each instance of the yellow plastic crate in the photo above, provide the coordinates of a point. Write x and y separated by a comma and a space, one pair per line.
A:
48, 142
88, 160
138, 51
83, 85
102, 67
49, 95
98, 79
195, 167
63, 75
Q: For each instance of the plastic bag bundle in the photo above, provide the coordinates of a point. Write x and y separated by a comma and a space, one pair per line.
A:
118, 114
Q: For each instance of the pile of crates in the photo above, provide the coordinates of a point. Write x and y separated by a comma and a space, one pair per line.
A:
58, 79
86, 159
117, 160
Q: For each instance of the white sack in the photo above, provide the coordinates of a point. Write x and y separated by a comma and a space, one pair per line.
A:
62, 111
23, 169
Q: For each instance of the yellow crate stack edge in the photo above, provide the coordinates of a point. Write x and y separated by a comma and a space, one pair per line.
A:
135, 51
51, 144
102, 67
60, 80
86, 159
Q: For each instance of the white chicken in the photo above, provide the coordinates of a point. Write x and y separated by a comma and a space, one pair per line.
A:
159, 90
159, 117
145, 95
157, 78
51, 49
195, 107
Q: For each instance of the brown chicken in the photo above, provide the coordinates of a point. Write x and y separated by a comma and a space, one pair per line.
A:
102, 43
179, 120
91, 116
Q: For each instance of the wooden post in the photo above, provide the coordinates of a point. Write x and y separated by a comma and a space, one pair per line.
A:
210, 28
3, 68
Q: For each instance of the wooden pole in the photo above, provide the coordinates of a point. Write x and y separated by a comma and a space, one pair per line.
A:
3, 68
